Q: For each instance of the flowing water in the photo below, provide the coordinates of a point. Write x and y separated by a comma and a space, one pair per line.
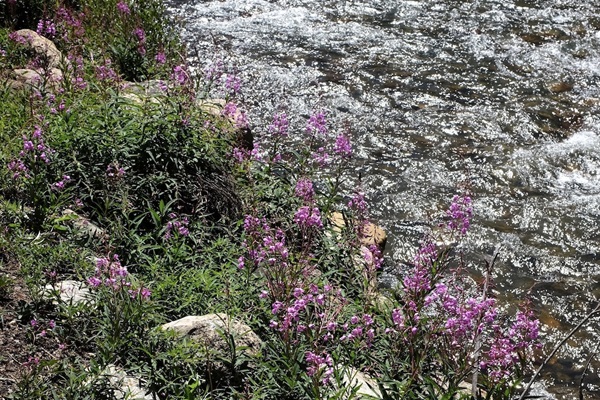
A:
499, 95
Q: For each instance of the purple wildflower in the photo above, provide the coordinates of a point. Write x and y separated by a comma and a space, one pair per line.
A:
160, 57
306, 217
304, 190
460, 213
180, 74
233, 84
342, 147
46, 28
317, 123
123, 8
279, 126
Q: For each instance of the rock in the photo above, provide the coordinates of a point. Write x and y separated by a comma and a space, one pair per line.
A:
367, 386
560, 87
139, 99
215, 107
153, 87
84, 225
70, 292
42, 47
209, 331
372, 234
126, 387
22, 78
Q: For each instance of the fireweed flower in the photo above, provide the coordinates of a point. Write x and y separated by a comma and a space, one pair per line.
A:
160, 57
342, 147
178, 225
317, 124
180, 74
307, 217
418, 280
320, 365
60, 185
123, 8
304, 190
321, 157
105, 72
279, 126
229, 109
46, 28
214, 71
114, 172
111, 274
233, 84
140, 34
460, 213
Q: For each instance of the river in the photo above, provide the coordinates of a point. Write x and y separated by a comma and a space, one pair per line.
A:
501, 97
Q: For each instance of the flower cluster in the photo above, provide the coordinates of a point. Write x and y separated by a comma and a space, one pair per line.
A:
60, 185
78, 71
54, 108
123, 8
214, 71
320, 365
140, 35
503, 354
46, 28
359, 328
70, 25
342, 147
106, 72
304, 190
180, 74
307, 217
34, 151
41, 328
279, 126
310, 313
177, 225
160, 57
232, 84
240, 119
460, 213
418, 281
265, 245
317, 124
114, 172
111, 274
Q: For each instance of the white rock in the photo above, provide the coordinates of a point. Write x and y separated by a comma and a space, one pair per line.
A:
208, 330
126, 387
367, 386
70, 292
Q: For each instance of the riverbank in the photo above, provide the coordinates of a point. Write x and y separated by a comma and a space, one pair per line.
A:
153, 249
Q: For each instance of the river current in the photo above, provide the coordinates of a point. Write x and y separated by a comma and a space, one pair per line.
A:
499, 97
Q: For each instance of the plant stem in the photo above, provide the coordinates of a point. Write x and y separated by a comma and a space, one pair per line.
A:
558, 346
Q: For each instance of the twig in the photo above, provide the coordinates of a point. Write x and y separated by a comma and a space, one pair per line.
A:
587, 366
478, 341
558, 346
